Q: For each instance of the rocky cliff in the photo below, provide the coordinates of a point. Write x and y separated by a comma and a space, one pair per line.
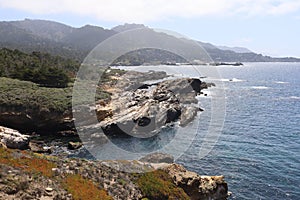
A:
24, 175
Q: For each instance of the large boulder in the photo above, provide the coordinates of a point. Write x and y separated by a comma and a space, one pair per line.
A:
39, 147
74, 145
13, 139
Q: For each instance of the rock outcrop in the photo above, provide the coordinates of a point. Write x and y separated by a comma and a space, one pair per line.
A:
31, 120
196, 186
39, 147
140, 109
122, 179
13, 139
74, 145
158, 158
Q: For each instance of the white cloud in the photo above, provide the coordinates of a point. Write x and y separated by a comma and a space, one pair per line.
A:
152, 10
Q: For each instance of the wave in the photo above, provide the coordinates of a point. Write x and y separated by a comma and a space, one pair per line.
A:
281, 82
232, 80
236, 80
289, 98
227, 80
260, 87
294, 97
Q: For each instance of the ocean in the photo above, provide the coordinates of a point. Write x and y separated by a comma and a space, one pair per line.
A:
258, 150
258, 147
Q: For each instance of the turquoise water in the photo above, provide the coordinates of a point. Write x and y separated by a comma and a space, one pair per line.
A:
259, 148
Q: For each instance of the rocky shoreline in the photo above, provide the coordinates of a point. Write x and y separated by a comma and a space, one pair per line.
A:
141, 104
21, 178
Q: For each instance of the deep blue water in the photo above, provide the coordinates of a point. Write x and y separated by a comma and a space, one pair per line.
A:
259, 148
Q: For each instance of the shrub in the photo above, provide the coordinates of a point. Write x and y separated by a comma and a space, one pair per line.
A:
15, 93
40, 68
158, 185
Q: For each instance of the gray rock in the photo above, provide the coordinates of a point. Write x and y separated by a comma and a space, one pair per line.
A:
158, 158
39, 147
143, 111
188, 114
13, 139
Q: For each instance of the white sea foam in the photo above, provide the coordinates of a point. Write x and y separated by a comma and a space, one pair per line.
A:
226, 80
281, 82
236, 80
260, 87
289, 98
294, 97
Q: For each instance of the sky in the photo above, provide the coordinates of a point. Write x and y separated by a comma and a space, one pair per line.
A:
269, 27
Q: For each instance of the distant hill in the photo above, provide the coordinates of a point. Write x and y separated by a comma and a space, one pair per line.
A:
51, 37
66, 41
45, 29
127, 27
235, 49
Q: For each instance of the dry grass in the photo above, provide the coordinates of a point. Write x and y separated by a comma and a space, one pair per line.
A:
26, 162
83, 189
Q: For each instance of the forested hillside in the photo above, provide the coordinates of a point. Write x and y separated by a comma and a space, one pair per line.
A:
40, 68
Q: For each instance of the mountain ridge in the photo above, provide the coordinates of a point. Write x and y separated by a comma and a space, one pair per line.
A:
60, 39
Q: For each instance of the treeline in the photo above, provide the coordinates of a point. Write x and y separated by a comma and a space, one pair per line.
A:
41, 68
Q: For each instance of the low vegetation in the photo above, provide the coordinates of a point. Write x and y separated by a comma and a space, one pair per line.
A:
36, 165
27, 162
25, 94
158, 185
83, 189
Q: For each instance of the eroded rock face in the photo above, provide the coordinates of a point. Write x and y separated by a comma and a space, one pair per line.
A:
196, 186
140, 109
13, 139
31, 120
